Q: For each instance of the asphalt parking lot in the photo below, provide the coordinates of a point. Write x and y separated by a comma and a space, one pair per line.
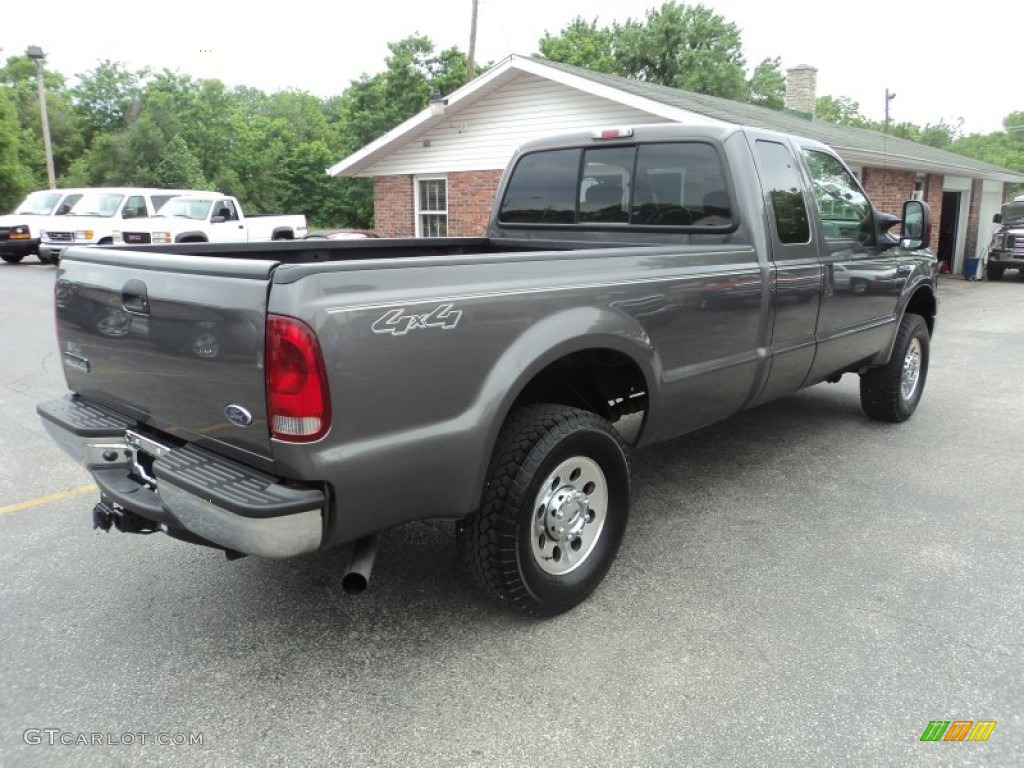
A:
798, 586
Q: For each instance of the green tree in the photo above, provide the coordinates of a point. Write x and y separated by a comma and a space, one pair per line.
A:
14, 181
768, 85
372, 106
678, 45
683, 46
177, 168
18, 77
582, 44
105, 98
1003, 148
841, 110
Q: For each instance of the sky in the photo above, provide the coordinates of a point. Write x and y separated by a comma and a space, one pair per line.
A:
942, 64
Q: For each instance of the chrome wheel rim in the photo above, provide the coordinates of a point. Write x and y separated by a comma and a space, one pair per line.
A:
569, 513
911, 370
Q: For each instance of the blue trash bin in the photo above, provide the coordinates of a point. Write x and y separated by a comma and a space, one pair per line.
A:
971, 269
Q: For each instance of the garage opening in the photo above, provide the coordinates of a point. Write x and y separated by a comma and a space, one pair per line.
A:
948, 224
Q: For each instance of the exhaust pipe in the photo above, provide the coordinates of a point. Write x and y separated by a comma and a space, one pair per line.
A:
357, 575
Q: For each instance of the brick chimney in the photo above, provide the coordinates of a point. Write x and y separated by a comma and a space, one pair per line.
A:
801, 88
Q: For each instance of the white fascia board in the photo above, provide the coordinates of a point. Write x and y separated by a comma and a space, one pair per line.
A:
675, 114
419, 123
359, 163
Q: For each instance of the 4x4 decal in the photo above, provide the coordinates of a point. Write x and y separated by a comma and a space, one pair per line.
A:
397, 323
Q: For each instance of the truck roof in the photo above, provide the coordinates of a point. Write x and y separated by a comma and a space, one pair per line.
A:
648, 132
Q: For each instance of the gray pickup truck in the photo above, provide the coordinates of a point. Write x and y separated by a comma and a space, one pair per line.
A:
636, 284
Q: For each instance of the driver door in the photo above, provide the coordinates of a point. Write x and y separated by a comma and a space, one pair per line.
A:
862, 282
230, 230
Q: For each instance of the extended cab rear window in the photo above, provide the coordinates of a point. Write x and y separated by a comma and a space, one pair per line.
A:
674, 184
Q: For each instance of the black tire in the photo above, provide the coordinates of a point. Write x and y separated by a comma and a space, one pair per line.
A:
994, 272
11, 258
858, 287
892, 392
543, 463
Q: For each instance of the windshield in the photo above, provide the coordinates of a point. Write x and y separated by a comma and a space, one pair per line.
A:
186, 208
39, 203
1013, 212
97, 204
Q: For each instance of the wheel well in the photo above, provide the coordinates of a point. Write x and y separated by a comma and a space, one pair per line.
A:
192, 239
603, 381
105, 241
283, 234
923, 303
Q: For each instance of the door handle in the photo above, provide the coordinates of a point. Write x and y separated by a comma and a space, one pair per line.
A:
135, 297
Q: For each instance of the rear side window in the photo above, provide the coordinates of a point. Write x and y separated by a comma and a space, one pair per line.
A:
543, 189
679, 185
670, 184
782, 182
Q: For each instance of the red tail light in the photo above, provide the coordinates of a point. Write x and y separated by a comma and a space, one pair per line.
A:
298, 401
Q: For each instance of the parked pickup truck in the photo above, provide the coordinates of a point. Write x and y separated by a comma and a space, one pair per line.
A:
20, 231
95, 216
1006, 251
636, 284
205, 219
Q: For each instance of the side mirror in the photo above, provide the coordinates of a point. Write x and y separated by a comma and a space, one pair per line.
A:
997, 219
128, 213
217, 219
62, 211
916, 229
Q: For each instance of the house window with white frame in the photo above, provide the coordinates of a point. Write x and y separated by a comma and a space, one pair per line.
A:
432, 206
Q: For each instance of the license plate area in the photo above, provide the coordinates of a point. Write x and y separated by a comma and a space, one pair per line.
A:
143, 451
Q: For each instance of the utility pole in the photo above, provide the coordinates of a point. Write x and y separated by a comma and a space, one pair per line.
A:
470, 65
35, 53
888, 97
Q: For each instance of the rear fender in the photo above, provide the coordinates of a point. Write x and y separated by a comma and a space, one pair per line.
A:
557, 336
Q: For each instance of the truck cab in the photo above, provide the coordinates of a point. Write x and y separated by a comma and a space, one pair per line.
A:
1006, 250
210, 217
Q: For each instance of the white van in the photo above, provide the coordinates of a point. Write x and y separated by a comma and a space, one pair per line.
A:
20, 231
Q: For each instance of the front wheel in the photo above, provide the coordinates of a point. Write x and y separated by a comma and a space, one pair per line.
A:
994, 271
892, 392
553, 512
11, 258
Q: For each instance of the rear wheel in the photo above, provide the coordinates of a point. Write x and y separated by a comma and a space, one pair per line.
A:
11, 258
892, 392
994, 271
553, 513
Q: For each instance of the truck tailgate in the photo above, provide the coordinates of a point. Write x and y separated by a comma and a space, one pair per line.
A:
175, 342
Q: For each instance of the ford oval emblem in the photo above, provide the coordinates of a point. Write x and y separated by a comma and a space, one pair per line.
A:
238, 416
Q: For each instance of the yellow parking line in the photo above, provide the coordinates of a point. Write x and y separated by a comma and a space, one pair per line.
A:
82, 489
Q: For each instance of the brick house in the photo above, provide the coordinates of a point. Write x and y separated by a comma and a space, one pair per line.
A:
436, 174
